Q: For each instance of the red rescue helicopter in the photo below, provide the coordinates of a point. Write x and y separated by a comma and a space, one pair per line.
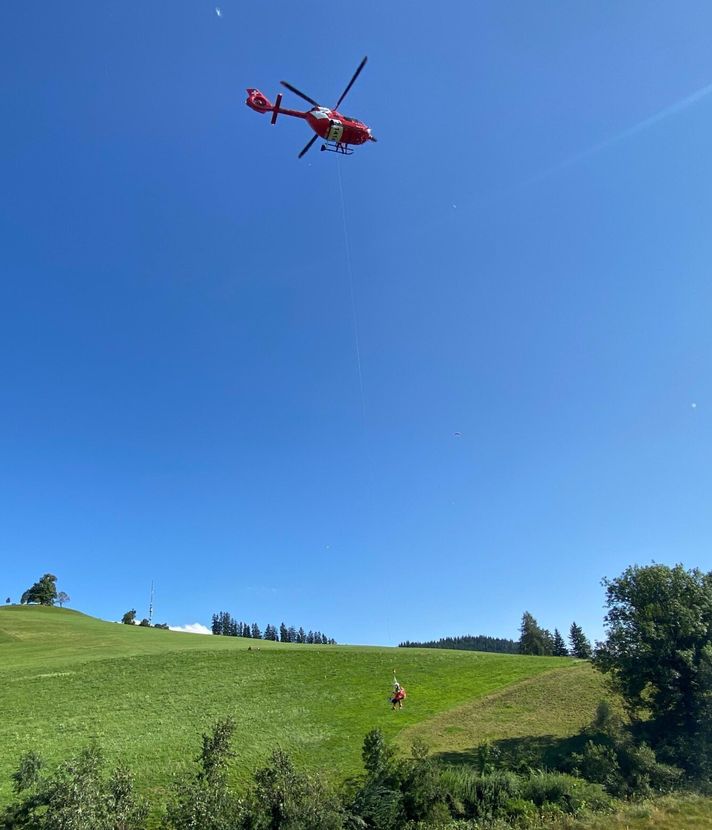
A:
338, 131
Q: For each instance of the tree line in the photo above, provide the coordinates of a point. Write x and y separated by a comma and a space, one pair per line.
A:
533, 640
480, 642
224, 624
538, 641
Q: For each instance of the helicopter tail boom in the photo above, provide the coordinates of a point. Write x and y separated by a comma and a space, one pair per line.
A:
260, 103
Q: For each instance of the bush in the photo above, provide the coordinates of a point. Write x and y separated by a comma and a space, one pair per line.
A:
472, 795
285, 799
626, 769
424, 797
378, 806
203, 800
377, 754
568, 793
77, 796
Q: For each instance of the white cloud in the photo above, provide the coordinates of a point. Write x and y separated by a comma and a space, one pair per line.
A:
191, 628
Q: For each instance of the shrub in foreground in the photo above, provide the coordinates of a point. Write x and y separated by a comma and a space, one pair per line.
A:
79, 795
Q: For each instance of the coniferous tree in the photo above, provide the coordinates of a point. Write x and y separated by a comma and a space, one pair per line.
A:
559, 649
246, 630
301, 636
215, 624
292, 634
256, 633
283, 633
533, 639
580, 645
310, 638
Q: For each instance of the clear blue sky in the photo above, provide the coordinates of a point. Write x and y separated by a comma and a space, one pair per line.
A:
530, 247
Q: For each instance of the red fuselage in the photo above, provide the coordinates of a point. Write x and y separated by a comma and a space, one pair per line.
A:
328, 124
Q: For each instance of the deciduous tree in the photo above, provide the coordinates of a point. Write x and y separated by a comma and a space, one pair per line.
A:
44, 591
658, 654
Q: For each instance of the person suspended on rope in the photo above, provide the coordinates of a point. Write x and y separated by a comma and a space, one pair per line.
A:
399, 694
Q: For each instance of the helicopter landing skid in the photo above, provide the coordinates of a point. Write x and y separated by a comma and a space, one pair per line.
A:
337, 147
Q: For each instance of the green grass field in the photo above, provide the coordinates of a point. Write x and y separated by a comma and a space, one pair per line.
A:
671, 813
146, 695
527, 720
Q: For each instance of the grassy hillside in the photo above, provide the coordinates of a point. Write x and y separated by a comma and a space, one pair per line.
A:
678, 813
527, 720
145, 694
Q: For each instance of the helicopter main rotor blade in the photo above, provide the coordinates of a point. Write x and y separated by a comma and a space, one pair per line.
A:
311, 141
300, 94
351, 82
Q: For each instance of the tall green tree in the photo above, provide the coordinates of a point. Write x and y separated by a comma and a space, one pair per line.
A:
204, 800
580, 645
658, 655
129, 617
44, 591
533, 639
284, 798
559, 646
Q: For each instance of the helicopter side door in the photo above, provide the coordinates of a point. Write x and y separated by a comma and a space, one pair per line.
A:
336, 131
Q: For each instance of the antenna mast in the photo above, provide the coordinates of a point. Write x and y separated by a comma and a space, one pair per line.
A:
150, 605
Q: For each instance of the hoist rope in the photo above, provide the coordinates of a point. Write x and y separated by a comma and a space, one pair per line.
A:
349, 272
